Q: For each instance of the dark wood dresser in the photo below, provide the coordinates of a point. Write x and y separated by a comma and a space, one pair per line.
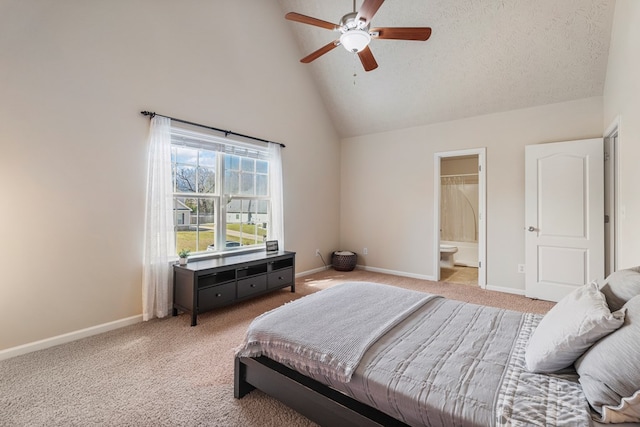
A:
204, 285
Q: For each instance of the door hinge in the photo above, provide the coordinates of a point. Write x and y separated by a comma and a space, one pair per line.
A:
479, 264
606, 156
479, 168
606, 219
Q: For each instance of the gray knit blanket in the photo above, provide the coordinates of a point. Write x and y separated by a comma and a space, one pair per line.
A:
328, 332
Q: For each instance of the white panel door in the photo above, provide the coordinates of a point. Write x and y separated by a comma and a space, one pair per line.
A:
564, 214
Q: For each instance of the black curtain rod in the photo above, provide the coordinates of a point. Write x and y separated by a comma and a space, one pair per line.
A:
226, 132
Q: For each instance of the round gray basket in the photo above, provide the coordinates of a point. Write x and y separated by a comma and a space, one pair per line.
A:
342, 262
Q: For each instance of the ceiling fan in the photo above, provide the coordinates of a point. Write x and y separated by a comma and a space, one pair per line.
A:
356, 34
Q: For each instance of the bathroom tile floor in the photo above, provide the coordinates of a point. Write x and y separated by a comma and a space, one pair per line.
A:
458, 274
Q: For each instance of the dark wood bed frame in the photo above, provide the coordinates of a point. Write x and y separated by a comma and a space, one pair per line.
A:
314, 400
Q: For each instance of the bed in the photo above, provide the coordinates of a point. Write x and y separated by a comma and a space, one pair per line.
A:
406, 358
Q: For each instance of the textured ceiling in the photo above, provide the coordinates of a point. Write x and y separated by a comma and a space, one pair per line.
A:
484, 56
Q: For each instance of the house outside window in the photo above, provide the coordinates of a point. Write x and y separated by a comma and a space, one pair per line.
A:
220, 191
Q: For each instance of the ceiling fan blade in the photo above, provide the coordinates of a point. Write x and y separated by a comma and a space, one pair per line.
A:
402, 33
368, 9
297, 17
368, 61
318, 53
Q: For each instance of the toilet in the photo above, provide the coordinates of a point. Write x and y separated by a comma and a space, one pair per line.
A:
446, 255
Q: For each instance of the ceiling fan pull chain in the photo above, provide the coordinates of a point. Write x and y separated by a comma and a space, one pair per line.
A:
354, 66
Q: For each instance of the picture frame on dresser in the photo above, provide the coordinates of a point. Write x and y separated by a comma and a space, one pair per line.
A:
271, 245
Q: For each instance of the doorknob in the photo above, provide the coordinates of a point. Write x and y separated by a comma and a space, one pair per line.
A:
531, 228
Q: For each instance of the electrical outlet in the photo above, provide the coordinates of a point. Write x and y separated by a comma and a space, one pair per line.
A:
365, 251
317, 252
520, 268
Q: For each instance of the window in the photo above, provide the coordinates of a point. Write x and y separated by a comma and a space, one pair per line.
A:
220, 192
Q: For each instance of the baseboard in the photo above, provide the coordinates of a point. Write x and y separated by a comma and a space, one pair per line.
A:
396, 273
505, 290
309, 272
65, 338
413, 276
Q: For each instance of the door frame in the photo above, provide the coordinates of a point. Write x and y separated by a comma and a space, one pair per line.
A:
612, 193
482, 208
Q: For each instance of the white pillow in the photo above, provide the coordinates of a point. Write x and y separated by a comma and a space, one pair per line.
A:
609, 372
570, 328
621, 286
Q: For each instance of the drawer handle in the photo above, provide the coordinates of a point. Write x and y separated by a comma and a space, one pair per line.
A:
280, 278
218, 295
252, 285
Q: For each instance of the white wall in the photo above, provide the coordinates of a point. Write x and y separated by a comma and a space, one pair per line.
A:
387, 185
74, 77
622, 99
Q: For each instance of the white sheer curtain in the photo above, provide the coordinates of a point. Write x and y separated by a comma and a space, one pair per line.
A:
277, 204
159, 239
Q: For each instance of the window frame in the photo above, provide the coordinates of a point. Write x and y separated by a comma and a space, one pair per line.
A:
184, 136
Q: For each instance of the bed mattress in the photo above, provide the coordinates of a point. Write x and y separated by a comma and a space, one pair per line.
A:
452, 363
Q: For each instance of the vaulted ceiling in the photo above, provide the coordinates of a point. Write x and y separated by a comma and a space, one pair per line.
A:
484, 56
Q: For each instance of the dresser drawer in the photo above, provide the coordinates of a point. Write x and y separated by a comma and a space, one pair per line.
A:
252, 285
216, 296
280, 278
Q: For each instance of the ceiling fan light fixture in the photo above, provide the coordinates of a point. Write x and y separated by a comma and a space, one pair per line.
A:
355, 34
355, 40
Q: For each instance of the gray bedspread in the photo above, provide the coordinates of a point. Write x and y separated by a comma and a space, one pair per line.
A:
302, 334
457, 364
441, 367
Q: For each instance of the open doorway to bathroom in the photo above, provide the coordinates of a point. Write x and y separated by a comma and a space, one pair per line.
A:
460, 216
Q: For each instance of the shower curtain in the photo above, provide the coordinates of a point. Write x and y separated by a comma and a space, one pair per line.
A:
458, 208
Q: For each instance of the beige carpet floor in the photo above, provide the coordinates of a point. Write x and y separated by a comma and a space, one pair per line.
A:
167, 373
